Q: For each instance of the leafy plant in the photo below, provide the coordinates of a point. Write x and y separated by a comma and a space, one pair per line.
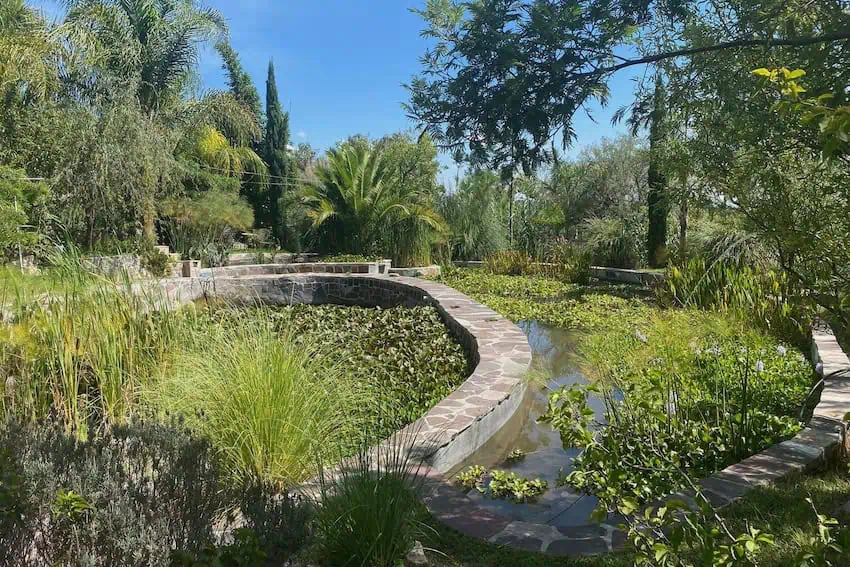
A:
510, 486
704, 397
472, 477
130, 497
268, 402
509, 263
515, 456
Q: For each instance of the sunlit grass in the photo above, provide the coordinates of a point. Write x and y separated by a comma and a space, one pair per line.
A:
271, 406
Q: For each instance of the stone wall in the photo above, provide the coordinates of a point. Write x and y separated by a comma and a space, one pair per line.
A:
249, 258
297, 268
112, 266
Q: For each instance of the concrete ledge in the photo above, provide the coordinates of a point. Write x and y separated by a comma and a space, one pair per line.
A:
248, 270
620, 275
423, 272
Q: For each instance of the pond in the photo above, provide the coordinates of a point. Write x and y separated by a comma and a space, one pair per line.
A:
554, 355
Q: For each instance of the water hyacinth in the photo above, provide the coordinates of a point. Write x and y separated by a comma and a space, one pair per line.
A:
759, 366
781, 350
641, 337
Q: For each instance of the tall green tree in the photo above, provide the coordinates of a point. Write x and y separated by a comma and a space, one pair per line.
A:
275, 154
150, 45
238, 80
657, 198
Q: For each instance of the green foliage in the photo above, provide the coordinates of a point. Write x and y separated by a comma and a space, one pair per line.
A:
405, 356
510, 486
154, 261
515, 456
510, 263
501, 485
551, 301
22, 204
205, 227
688, 393
615, 242
357, 208
367, 509
245, 551
129, 497
268, 404
238, 80
274, 151
486, 86
765, 297
472, 477
475, 214
567, 261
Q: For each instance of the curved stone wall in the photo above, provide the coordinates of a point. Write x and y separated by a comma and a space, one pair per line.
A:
459, 424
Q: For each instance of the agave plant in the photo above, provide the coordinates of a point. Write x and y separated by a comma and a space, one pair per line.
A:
354, 209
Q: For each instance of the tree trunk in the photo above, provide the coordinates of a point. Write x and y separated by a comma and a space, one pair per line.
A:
683, 229
511, 212
657, 195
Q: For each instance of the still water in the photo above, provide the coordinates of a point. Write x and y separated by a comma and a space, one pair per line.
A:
554, 357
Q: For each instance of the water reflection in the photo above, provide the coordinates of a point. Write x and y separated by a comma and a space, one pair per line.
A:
555, 358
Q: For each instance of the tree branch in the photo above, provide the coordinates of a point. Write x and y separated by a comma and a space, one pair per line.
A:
799, 42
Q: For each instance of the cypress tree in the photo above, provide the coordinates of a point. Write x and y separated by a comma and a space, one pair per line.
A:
238, 80
657, 199
275, 155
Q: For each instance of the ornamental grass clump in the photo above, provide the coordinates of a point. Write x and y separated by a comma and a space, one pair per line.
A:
268, 404
367, 511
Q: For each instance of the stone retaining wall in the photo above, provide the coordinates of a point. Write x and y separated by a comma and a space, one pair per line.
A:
297, 268
619, 275
459, 424
250, 258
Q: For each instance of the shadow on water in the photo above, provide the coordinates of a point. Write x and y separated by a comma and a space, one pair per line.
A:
554, 354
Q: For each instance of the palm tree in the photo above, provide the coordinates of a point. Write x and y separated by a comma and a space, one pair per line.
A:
153, 43
27, 50
355, 210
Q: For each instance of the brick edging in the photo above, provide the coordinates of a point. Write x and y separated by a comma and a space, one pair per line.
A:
823, 439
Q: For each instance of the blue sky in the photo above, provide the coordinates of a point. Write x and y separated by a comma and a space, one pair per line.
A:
341, 64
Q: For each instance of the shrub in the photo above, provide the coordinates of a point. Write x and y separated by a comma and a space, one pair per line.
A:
765, 297
509, 263
84, 356
154, 261
571, 261
367, 513
128, 497
614, 242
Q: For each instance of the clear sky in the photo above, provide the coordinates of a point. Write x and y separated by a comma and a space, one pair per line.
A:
340, 65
